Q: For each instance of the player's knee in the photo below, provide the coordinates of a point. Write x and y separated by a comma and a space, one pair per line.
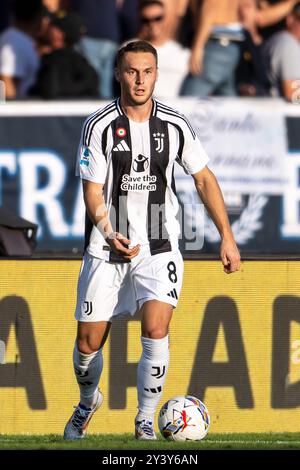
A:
155, 333
88, 345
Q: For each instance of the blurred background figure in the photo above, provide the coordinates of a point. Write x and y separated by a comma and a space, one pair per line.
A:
100, 43
282, 53
271, 14
19, 61
172, 57
64, 72
251, 73
215, 50
175, 11
260, 20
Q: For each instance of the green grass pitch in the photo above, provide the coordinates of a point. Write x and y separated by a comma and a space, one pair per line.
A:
249, 441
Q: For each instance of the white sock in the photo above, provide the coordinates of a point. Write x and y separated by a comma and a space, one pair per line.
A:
151, 375
88, 368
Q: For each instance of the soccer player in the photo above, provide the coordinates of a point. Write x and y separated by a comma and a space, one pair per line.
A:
131, 261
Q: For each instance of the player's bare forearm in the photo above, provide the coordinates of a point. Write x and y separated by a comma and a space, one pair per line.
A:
210, 193
95, 206
211, 196
98, 214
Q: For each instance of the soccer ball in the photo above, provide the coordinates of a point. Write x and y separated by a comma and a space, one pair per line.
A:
183, 419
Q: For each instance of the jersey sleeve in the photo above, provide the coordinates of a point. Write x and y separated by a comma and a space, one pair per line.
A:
191, 156
91, 161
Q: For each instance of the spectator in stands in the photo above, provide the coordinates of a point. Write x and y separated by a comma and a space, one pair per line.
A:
251, 74
172, 57
271, 14
19, 61
282, 52
216, 47
100, 44
215, 51
65, 73
175, 11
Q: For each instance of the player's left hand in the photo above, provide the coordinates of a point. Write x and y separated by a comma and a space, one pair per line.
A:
230, 256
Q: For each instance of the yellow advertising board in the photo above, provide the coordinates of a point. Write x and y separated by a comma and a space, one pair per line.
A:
235, 344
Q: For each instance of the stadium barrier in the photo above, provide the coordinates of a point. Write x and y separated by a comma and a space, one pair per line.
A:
235, 344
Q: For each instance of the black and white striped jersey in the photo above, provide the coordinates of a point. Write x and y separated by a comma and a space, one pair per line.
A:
135, 162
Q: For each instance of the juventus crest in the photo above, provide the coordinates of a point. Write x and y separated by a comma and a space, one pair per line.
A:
88, 307
159, 139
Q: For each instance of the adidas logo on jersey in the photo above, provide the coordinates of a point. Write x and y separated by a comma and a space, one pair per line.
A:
122, 147
173, 294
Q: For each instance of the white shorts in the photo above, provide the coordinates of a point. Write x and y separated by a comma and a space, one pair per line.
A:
107, 290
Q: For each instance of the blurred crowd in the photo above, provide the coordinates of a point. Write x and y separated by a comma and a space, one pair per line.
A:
65, 49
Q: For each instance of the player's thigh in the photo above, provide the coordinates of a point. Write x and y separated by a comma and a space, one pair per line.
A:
91, 336
159, 277
156, 317
158, 280
98, 290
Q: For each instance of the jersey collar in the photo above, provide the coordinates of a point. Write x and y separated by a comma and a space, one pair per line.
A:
121, 112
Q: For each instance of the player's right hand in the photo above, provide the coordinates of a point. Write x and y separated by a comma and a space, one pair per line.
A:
120, 245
